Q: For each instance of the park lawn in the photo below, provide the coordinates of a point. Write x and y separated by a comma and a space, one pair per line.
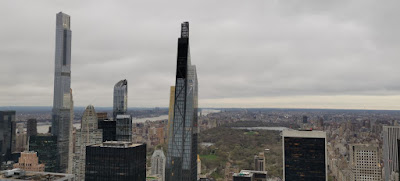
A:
210, 157
251, 133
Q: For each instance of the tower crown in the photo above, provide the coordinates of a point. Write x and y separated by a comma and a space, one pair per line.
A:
185, 30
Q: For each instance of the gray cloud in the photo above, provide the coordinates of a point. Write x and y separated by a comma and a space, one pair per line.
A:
263, 49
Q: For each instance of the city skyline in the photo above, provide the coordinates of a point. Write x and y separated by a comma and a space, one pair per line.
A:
311, 55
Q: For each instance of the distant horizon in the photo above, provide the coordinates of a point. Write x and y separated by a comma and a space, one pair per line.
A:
261, 54
4, 108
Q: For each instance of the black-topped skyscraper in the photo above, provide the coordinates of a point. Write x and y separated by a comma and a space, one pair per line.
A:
120, 98
62, 103
182, 142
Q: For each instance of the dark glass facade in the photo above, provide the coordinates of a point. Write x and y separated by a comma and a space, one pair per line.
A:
182, 139
7, 132
46, 148
109, 129
31, 128
124, 128
105, 163
304, 158
305, 119
243, 178
120, 98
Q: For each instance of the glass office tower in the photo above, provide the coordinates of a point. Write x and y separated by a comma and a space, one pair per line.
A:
116, 161
46, 147
304, 155
120, 98
182, 139
62, 112
7, 134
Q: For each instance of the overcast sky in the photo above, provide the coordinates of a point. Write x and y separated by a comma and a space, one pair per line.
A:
266, 53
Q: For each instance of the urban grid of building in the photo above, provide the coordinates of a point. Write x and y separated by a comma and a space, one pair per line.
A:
316, 145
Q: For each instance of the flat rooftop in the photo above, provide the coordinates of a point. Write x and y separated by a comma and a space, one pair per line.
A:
123, 116
117, 144
304, 133
27, 175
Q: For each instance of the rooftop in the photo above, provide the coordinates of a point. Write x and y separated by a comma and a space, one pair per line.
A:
304, 134
117, 144
19, 174
123, 116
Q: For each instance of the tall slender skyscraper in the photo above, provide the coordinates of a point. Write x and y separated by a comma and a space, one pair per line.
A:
120, 98
182, 141
62, 102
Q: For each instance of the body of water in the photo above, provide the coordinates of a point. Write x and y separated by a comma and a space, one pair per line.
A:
263, 128
44, 128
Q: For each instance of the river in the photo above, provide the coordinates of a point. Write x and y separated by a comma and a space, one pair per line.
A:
44, 128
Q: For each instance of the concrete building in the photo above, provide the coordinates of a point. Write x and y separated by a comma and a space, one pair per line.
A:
158, 160
29, 161
259, 162
304, 155
19, 174
116, 161
89, 134
170, 111
365, 162
20, 141
62, 112
198, 167
390, 150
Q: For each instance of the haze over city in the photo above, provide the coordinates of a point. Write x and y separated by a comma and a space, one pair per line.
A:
282, 54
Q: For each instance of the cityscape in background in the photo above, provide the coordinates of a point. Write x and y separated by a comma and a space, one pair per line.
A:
185, 141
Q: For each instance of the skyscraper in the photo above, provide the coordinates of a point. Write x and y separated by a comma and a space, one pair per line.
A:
89, 134
62, 102
171, 111
124, 128
120, 98
390, 150
7, 130
304, 155
259, 162
182, 140
107, 126
158, 164
46, 147
31, 128
116, 161
365, 162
